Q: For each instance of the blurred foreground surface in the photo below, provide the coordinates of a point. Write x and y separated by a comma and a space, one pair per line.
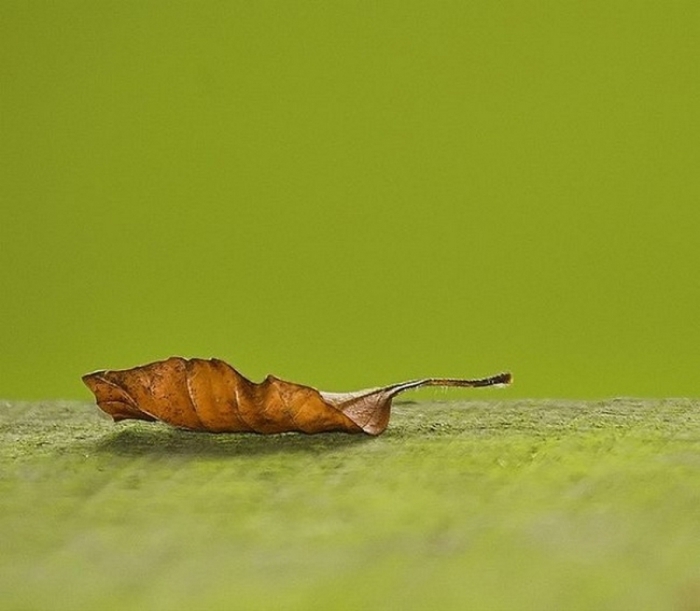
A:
483, 505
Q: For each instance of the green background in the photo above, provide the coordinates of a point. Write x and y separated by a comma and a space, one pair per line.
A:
352, 193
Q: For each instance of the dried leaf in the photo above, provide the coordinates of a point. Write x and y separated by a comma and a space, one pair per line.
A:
210, 395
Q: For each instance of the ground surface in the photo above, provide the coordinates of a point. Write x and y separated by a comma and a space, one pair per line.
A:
471, 505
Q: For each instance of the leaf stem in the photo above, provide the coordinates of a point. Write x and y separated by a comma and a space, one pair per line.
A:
501, 379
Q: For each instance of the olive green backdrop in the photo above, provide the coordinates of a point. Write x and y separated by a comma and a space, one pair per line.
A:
352, 193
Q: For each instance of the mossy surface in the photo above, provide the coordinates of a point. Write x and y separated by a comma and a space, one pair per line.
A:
469, 505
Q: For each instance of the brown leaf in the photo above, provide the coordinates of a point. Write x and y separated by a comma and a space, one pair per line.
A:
209, 395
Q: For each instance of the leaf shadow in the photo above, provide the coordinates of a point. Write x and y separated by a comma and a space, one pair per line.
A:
160, 440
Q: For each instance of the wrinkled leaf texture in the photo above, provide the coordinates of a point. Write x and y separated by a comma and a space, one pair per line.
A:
210, 395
